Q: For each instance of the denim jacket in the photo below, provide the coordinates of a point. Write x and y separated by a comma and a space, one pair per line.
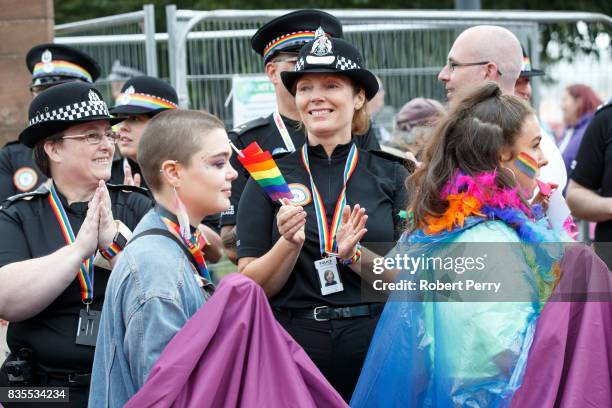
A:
151, 294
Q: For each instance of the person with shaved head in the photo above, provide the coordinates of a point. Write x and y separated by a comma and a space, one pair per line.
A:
482, 53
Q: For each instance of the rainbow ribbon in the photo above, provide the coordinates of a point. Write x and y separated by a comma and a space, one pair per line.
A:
59, 67
327, 236
527, 164
262, 167
195, 244
298, 37
86, 271
144, 101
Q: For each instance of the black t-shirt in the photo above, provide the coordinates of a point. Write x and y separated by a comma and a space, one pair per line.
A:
377, 185
266, 134
29, 229
18, 173
593, 165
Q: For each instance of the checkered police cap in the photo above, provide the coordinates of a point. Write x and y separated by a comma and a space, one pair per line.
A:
62, 106
333, 55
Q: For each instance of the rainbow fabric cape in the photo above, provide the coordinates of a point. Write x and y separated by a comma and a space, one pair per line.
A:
262, 167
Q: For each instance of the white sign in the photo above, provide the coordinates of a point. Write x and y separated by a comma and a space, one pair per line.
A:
253, 97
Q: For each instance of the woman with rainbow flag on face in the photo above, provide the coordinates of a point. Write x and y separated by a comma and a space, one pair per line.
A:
289, 248
519, 347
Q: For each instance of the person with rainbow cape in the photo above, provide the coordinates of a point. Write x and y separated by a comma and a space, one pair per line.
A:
431, 349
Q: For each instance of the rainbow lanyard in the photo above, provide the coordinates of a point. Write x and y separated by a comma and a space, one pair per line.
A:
282, 129
195, 244
327, 237
86, 271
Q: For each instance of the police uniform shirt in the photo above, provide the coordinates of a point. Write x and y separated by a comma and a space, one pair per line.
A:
376, 185
29, 229
266, 134
593, 164
18, 173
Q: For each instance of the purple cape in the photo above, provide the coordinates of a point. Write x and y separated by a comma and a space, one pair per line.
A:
570, 360
233, 353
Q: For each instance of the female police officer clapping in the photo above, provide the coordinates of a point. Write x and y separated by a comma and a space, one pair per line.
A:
49, 237
290, 249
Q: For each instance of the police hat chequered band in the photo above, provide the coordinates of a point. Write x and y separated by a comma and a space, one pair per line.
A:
342, 64
79, 110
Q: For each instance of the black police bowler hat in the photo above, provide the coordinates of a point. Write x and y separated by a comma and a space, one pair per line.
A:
61, 106
145, 95
527, 70
333, 55
51, 64
289, 32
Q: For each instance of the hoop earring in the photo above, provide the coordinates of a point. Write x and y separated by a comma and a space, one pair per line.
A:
511, 172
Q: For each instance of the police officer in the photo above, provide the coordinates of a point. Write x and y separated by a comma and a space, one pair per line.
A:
50, 64
58, 243
141, 98
290, 249
278, 42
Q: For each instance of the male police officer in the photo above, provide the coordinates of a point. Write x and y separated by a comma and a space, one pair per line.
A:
50, 64
278, 42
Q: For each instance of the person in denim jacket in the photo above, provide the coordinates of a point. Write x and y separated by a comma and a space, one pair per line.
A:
158, 284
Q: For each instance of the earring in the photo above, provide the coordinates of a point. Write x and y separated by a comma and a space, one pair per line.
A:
181, 214
511, 172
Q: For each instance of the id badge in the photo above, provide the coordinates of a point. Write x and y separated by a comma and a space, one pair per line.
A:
87, 330
329, 277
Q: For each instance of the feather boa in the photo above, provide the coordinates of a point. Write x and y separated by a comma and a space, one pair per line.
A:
480, 196
472, 200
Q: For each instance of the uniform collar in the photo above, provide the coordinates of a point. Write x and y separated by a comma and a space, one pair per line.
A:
79, 208
340, 152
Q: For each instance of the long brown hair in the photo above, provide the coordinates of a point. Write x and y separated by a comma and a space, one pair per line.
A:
469, 138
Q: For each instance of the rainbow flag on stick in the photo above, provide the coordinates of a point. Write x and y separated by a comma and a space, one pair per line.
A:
265, 172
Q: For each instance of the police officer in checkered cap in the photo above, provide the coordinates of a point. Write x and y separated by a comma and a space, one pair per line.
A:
290, 250
59, 242
278, 42
50, 65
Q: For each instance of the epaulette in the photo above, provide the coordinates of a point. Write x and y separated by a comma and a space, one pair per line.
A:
125, 187
250, 125
395, 155
604, 106
41, 191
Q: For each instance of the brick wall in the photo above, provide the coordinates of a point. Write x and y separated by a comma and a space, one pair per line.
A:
23, 24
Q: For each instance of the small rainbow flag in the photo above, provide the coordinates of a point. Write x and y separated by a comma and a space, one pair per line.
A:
262, 167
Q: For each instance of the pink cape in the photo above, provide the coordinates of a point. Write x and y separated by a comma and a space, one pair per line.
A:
233, 353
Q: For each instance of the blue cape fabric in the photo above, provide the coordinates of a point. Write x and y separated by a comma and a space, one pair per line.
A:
449, 354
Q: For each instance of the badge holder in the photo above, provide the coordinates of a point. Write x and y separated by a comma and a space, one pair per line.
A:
329, 277
89, 324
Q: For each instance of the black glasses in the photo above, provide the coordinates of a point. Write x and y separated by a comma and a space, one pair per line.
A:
452, 65
95, 138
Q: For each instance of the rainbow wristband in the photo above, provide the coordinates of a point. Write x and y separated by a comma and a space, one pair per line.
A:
354, 258
110, 252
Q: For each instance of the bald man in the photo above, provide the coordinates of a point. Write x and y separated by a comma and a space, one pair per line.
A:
492, 53
482, 53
